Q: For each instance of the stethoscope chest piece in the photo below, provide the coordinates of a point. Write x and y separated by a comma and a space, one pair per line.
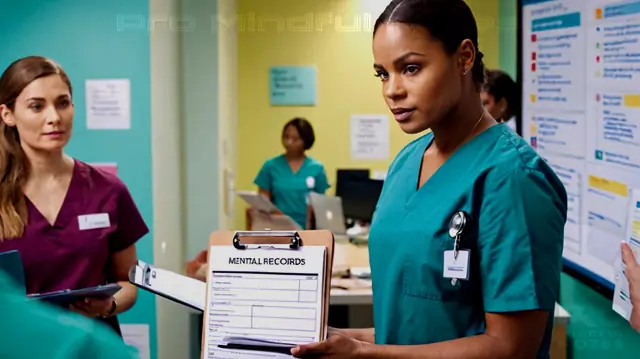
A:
457, 223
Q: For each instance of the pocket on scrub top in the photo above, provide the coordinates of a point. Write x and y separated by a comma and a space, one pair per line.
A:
422, 273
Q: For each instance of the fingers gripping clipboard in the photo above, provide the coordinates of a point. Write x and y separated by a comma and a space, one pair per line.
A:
244, 242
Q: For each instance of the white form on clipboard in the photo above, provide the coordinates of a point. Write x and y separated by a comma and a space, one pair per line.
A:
263, 301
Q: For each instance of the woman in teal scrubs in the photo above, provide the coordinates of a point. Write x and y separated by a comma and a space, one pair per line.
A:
495, 296
288, 179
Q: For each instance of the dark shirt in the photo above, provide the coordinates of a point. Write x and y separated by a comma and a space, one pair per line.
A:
73, 255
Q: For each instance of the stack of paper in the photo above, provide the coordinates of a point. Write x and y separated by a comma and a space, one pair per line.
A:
263, 216
264, 301
621, 298
257, 201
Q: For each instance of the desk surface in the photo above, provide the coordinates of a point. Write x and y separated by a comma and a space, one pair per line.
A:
364, 297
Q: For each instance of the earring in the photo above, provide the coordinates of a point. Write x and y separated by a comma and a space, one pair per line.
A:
465, 71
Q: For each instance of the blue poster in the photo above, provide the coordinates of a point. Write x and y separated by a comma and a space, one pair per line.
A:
292, 85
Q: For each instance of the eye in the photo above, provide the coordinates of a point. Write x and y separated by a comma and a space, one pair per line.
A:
35, 107
64, 103
412, 69
381, 75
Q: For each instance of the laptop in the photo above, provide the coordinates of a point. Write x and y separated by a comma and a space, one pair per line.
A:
11, 264
328, 214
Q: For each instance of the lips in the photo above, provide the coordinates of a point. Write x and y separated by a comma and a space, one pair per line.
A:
402, 114
54, 133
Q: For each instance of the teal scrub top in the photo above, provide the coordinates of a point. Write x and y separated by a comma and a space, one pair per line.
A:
518, 209
56, 333
289, 190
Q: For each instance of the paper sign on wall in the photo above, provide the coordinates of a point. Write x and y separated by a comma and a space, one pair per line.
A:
292, 85
108, 104
107, 167
370, 137
137, 336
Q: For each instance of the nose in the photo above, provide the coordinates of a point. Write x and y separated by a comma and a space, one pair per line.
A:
394, 88
52, 116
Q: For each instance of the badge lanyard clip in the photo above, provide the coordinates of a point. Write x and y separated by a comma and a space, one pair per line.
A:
456, 227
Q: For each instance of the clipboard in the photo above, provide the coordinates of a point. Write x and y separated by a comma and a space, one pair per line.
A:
169, 285
68, 296
242, 240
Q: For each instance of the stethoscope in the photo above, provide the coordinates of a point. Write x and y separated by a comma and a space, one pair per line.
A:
457, 224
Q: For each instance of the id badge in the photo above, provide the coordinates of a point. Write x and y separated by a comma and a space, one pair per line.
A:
456, 267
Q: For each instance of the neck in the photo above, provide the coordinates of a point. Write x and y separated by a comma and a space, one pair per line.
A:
46, 165
460, 124
294, 156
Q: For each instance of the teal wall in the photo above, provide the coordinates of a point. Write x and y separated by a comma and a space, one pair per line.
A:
82, 36
595, 330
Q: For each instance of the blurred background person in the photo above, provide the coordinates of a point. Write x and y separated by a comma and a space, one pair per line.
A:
501, 97
287, 179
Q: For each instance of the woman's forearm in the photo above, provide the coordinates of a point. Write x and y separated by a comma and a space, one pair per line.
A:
476, 347
125, 297
366, 335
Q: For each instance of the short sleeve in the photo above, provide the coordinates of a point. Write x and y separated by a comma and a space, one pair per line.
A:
130, 226
322, 182
263, 178
520, 240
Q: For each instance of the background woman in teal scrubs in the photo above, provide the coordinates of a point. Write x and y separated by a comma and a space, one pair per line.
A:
426, 55
288, 178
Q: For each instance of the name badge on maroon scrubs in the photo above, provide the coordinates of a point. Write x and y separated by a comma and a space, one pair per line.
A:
93, 221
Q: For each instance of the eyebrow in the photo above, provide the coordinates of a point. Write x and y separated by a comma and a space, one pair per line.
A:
400, 59
42, 98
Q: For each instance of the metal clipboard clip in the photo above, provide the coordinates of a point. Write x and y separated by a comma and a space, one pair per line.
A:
169, 285
295, 240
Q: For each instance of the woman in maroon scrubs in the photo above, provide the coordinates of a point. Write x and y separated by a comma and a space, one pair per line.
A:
74, 225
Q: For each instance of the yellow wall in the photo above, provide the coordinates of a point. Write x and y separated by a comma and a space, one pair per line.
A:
341, 50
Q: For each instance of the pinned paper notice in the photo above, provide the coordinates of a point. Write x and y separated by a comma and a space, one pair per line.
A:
370, 137
137, 336
108, 104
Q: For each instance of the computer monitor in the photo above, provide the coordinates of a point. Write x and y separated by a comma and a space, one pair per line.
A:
360, 198
344, 175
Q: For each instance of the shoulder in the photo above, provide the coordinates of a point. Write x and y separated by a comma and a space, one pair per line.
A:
416, 145
511, 165
273, 162
315, 164
100, 179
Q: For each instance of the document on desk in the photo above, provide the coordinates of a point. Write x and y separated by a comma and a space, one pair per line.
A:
621, 298
263, 301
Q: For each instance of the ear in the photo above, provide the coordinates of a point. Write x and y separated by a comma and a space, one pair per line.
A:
7, 116
466, 56
502, 104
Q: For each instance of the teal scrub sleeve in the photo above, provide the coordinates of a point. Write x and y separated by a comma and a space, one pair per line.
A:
57, 333
322, 182
520, 241
263, 178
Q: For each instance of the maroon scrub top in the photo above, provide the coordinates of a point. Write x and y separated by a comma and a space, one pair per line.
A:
62, 256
